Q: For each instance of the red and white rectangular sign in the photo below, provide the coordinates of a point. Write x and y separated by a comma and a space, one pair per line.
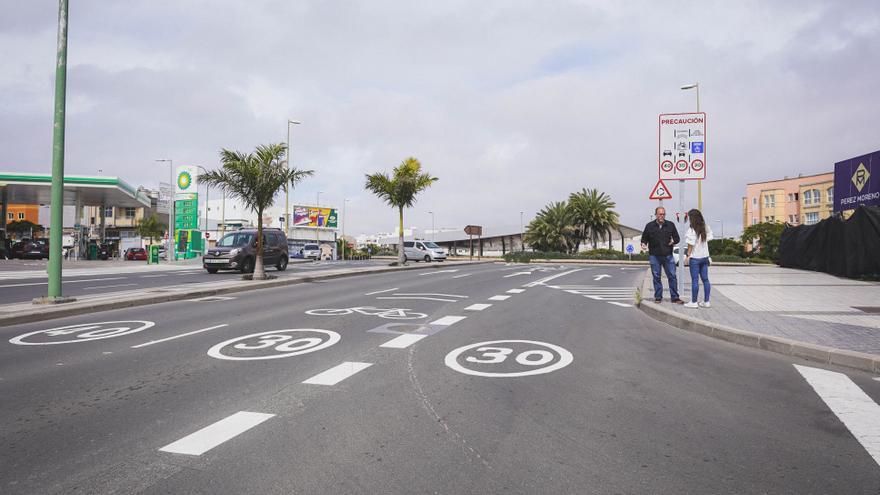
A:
682, 150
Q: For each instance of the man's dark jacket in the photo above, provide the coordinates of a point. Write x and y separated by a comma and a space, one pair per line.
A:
657, 238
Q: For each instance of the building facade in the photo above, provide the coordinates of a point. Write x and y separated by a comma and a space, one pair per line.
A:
805, 199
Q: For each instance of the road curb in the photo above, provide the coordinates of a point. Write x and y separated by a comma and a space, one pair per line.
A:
780, 345
43, 313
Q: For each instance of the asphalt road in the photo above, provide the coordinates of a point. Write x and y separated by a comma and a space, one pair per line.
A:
561, 388
19, 282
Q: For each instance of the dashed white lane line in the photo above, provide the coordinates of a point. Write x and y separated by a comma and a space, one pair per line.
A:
516, 291
855, 409
448, 320
152, 276
477, 307
211, 436
179, 336
337, 373
380, 291
622, 305
499, 298
403, 341
463, 275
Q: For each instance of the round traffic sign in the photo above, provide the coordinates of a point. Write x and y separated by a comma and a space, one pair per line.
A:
681, 165
666, 166
697, 165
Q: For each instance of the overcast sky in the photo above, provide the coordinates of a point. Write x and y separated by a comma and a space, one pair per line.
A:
512, 104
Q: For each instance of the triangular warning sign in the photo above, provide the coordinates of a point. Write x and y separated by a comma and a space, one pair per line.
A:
660, 191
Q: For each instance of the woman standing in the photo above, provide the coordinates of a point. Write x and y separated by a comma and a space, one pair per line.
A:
698, 236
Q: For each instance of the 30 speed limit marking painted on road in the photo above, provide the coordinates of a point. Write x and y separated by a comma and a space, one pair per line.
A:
82, 332
274, 344
508, 358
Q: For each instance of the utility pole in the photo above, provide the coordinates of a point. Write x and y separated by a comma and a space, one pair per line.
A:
287, 188
56, 224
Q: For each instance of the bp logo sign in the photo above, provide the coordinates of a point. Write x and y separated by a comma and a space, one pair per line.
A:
184, 180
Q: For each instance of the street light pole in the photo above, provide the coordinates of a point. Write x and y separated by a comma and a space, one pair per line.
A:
207, 198
522, 245
318, 207
696, 86
170, 252
287, 188
722, 227
344, 201
433, 232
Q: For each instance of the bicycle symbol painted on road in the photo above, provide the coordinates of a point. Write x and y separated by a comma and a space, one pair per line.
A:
389, 313
274, 344
82, 332
491, 358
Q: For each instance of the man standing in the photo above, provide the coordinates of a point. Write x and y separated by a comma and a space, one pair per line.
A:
659, 237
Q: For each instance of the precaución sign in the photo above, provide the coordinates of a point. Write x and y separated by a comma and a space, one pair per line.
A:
682, 150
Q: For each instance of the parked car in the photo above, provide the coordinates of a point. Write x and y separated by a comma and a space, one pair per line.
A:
138, 254
35, 250
311, 252
423, 251
238, 251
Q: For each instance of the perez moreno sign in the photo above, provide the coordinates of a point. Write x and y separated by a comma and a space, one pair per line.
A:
682, 152
857, 182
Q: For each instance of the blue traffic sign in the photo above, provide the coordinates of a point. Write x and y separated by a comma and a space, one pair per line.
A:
697, 147
629, 249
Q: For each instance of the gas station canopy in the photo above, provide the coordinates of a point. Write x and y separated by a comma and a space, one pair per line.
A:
82, 189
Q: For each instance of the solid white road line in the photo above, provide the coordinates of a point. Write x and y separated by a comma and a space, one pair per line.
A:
516, 291
380, 291
179, 336
337, 373
853, 407
107, 286
622, 305
517, 273
499, 298
448, 320
403, 341
152, 276
428, 294
63, 282
547, 279
438, 271
420, 298
477, 307
211, 436
463, 275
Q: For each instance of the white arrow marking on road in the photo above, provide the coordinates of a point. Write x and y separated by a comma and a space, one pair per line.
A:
438, 271
600, 277
853, 407
547, 279
517, 273
211, 436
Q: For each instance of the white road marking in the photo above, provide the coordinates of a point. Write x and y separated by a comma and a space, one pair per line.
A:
85, 332
463, 275
534, 359
212, 299
63, 282
403, 341
600, 277
853, 407
152, 276
610, 298
107, 286
337, 373
477, 307
517, 273
877, 378
420, 298
547, 279
438, 271
179, 336
448, 320
516, 291
428, 294
213, 435
380, 291
622, 305
499, 298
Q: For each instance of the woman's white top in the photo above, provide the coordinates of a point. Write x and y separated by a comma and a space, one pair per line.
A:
701, 248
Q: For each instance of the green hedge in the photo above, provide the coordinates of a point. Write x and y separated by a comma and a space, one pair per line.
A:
609, 254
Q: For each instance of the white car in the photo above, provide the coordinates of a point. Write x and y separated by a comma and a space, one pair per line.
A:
423, 251
311, 251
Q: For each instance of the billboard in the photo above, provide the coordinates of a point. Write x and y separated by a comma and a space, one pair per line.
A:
314, 216
187, 177
857, 182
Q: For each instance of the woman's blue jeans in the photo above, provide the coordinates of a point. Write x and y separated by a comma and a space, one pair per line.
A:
700, 271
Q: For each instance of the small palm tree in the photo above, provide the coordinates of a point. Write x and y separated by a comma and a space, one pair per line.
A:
400, 189
553, 229
151, 227
593, 215
255, 178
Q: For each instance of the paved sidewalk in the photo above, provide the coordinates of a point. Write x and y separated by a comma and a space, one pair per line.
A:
783, 306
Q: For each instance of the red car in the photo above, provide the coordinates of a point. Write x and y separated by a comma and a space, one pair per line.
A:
139, 254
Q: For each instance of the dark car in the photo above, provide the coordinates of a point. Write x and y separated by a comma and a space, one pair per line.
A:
139, 254
238, 251
36, 250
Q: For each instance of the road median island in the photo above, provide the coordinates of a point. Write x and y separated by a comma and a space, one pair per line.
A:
780, 345
20, 313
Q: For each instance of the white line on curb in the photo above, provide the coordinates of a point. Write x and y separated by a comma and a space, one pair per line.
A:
499, 298
448, 320
178, 336
403, 341
337, 373
211, 436
858, 412
477, 307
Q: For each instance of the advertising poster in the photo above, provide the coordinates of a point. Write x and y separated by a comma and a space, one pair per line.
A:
311, 216
857, 182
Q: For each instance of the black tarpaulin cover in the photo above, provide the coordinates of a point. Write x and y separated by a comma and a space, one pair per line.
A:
846, 248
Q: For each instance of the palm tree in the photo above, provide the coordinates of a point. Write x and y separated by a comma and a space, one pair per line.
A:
151, 227
552, 229
399, 190
255, 178
593, 215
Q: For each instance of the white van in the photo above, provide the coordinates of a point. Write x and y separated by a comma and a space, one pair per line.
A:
423, 251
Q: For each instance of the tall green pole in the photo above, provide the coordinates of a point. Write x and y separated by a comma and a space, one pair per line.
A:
57, 207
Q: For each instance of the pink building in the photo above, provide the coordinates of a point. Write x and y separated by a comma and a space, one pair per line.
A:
793, 201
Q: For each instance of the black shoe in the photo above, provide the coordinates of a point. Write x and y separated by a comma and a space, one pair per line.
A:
658, 301
677, 301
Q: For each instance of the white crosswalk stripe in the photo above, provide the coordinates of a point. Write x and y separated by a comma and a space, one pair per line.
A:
600, 293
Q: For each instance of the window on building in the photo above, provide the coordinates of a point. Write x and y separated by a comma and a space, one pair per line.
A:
754, 221
10, 216
817, 196
754, 201
811, 218
108, 211
129, 213
796, 196
21, 216
830, 194
808, 197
